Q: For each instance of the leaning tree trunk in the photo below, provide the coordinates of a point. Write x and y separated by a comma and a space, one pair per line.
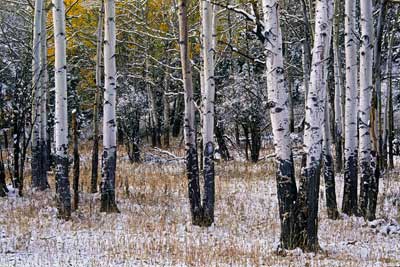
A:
189, 118
278, 99
108, 203
364, 128
208, 23
95, 151
39, 175
61, 113
315, 105
349, 205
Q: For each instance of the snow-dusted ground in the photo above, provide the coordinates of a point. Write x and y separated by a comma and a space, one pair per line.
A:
153, 228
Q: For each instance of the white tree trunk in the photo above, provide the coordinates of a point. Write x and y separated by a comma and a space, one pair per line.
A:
39, 180
208, 96
366, 64
314, 121
189, 118
108, 203
278, 103
61, 115
350, 151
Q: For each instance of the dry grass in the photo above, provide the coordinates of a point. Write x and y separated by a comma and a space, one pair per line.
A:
153, 228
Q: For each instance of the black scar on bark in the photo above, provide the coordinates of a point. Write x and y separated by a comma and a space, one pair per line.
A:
39, 166
373, 190
63, 191
308, 232
330, 189
365, 185
193, 184
349, 205
209, 185
287, 195
107, 200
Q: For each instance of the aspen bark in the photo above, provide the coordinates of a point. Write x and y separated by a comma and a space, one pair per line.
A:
364, 128
61, 115
166, 111
108, 203
45, 141
95, 151
192, 168
329, 172
313, 138
349, 205
75, 134
39, 175
278, 99
337, 62
389, 105
208, 20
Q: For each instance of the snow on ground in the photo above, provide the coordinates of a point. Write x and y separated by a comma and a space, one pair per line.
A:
153, 228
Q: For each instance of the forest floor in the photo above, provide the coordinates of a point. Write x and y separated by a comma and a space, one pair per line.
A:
153, 228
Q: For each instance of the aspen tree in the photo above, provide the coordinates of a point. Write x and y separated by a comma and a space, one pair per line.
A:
39, 174
278, 103
61, 115
364, 128
192, 168
349, 205
314, 121
108, 203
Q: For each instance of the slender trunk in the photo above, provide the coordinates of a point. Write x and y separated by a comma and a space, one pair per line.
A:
3, 186
154, 118
166, 112
95, 151
189, 124
39, 175
306, 50
25, 145
366, 57
349, 205
255, 133
208, 23
108, 203
75, 135
291, 106
177, 122
247, 140
219, 134
329, 171
278, 99
61, 114
389, 105
43, 103
16, 151
382, 5
337, 62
